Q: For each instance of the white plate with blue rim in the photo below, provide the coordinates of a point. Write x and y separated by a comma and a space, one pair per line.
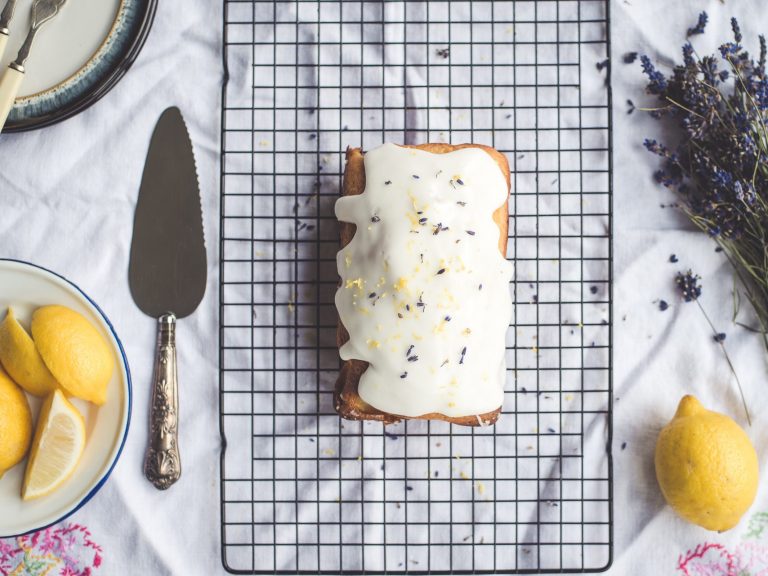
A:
76, 58
26, 287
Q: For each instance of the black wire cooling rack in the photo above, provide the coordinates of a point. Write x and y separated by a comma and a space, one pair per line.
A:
303, 491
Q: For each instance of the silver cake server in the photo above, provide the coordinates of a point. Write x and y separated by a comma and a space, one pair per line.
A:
167, 275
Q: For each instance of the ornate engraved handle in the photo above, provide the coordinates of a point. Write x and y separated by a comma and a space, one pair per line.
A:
162, 465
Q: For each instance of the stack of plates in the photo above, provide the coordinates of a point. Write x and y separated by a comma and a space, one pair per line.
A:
76, 59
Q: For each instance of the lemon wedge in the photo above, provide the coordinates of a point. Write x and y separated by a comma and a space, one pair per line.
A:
15, 423
21, 359
74, 351
56, 448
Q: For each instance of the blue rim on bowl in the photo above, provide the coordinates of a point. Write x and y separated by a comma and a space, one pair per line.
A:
95, 79
129, 398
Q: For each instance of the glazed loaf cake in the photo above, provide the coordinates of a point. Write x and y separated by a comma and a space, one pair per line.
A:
424, 301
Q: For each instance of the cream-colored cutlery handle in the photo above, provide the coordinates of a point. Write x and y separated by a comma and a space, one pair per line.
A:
3, 41
9, 87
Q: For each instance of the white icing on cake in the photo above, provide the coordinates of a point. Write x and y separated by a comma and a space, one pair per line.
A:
424, 289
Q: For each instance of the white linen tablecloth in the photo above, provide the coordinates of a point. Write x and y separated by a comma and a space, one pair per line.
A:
68, 195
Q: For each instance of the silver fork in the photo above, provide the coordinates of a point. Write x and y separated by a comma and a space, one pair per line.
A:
5, 21
42, 11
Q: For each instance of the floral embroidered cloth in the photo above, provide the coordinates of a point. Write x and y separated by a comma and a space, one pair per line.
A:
65, 549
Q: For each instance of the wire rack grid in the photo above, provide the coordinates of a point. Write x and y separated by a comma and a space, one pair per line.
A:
303, 491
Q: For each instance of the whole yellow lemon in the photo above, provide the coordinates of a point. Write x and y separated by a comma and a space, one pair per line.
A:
74, 351
15, 423
706, 466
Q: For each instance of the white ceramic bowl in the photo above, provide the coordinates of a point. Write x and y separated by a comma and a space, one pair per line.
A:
26, 287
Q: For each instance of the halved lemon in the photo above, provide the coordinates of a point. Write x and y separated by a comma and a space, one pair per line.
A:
56, 448
21, 359
74, 351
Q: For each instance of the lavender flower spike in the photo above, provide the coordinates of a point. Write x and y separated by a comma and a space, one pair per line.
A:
657, 83
729, 49
688, 55
700, 25
653, 146
688, 285
736, 29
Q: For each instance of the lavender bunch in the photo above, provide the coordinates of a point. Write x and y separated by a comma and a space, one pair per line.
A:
718, 107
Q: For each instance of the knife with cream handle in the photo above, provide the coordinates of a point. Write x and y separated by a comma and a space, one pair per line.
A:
42, 11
